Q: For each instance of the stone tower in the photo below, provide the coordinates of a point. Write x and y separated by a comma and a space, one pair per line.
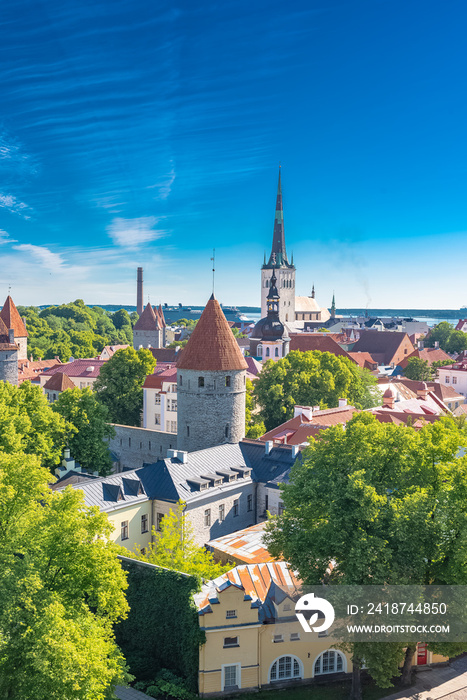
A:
148, 331
285, 271
8, 355
211, 384
12, 320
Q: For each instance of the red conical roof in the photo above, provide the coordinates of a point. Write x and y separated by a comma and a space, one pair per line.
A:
10, 316
161, 316
3, 332
212, 345
147, 320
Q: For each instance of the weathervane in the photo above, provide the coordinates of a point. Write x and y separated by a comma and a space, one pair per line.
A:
213, 259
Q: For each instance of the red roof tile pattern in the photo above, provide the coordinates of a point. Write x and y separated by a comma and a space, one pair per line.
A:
147, 321
154, 381
164, 354
305, 342
30, 369
78, 368
212, 345
160, 313
4, 337
460, 324
387, 346
298, 429
430, 355
10, 316
59, 382
364, 359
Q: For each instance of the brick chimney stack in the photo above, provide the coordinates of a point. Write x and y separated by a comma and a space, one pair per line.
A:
139, 291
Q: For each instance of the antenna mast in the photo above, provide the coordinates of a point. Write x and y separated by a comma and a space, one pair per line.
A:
213, 259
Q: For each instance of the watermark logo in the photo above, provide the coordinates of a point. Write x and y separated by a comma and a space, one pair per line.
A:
308, 603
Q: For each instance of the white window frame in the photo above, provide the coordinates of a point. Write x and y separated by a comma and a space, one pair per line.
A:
239, 675
292, 677
344, 663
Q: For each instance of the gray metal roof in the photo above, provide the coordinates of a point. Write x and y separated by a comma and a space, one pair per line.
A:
129, 693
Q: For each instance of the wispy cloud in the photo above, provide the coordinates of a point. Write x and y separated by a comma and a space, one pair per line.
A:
15, 206
5, 237
51, 261
131, 233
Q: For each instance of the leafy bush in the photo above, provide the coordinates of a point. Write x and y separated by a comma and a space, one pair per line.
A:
166, 686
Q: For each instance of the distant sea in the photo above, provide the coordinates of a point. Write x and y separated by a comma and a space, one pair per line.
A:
430, 316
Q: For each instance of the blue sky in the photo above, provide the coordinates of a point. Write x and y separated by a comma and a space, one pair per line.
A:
147, 133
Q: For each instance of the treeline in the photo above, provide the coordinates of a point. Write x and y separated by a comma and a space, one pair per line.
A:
75, 330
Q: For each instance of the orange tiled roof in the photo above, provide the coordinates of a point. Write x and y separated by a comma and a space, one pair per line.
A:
10, 315
154, 381
59, 382
305, 342
244, 546
300, 428
212, 345
429, 354
4, 338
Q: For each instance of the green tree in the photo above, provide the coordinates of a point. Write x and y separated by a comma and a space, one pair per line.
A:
28, 424
254, 426
310, 379
457, 342
441, 334
121, 318
119, 386
174, 548
90, 429
418, 369
382, 501
61, 590
436, 365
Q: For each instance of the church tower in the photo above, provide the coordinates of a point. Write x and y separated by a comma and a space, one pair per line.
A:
285, 271
148, 331
211, 384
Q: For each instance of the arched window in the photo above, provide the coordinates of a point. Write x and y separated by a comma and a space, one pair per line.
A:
285, 667
276, 352
330, 661
267, 352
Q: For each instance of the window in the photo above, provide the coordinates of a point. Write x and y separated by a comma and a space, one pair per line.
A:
227, 430
159, 517
157, 419
276, 352
231, 676
174, 405
230, 614
222, 513
173, 426
266, 503
173, 388
181, 379
144, 523
267, 352
157, 399
235, 507
446, 379
280, 508
285, 667
295, 637
188, 431
231, 642
227, 381
287, 607
249, 502
454, 380
200, 381
329, 662
207, 517
278, 638
124, 530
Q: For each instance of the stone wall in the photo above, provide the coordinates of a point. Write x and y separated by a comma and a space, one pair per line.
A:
9, 366
213, 414
147, 339
273, 500
135, 446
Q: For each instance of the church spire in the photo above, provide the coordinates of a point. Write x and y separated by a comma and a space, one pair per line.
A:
333, 306
278, 238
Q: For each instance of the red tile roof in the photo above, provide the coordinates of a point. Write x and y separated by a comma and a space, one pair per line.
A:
147, 321
164, 354
313, 341
363, 359
59, 382
300, 428
10, 315
160, 313
154, 381
384, 345
77, 368
212, 345
4, 338
430, 355
460, 324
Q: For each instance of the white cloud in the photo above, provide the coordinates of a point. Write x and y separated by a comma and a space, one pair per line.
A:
14, 206
5, 237
131, 233
51, 261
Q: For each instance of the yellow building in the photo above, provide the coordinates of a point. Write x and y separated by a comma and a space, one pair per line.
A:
254, 640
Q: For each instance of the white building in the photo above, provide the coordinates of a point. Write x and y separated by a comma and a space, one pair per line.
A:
455, 375
160, 401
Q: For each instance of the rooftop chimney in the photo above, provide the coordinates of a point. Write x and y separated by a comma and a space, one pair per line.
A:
306, 411
422, 393
342, 403
437, 344
388, 399
295, 450
421, 344
269, 444
139, 291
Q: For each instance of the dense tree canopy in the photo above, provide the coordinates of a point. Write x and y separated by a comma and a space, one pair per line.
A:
74, 330
386, 503
254, 426
418, 369
449, 339
88, 418
310, 379
119, 385
28, 424
61, 590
